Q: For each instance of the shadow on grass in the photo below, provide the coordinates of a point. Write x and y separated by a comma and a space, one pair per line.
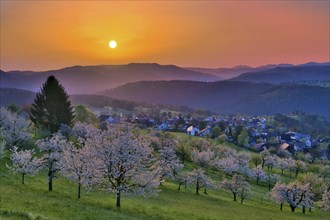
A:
12, 214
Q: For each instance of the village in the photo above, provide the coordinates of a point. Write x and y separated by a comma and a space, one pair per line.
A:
258, 133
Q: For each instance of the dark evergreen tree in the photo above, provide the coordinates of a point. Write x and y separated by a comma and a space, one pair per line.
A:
51, 107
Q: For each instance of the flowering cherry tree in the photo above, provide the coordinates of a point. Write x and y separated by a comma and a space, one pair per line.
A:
202, 158
258, 174
84, 131
299, 166
271, 161
271, 179
127, 162
282, 164
228, 164
295, 193
232, 161
52, 148
183, 179
169, 163
238, 186
23, 162
244, 191
80, 165
325, 202
14, 128
278, 194
264, 154
291, 163
198, 177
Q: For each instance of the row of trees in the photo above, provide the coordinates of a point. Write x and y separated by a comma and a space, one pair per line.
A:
121, 159
118, 159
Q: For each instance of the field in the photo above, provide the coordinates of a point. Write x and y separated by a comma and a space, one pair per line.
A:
33, 201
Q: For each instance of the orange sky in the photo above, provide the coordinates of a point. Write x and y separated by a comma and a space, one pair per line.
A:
39, 35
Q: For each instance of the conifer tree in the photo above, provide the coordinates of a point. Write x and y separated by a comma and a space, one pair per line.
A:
51, 107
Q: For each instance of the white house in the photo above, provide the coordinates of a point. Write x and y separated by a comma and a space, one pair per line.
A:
192, 131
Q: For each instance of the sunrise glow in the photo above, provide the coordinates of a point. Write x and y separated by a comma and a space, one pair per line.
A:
53, 34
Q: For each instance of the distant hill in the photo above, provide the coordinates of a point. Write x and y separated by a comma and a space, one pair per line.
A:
225, 73
235, 71
91, 79
229, 96
15, 96
288, 74
228, 73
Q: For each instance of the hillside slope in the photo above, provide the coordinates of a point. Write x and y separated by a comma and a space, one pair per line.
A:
229, 96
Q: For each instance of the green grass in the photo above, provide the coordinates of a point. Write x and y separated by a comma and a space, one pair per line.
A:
33, 201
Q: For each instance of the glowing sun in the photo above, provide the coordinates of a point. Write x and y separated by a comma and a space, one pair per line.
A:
112, 44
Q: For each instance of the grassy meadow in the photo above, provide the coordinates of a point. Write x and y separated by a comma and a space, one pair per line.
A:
34, 201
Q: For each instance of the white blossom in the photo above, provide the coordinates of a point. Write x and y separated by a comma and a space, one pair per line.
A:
84, 131
282, 164
234, 162
14, 128
183, 179
271, 161
271, 179
80, 165
52, 148
127, 161
325, 202
258, 174
202, 158
228, 164
23, 162
295, 193
198, 177
278, 194
169, 163
238, 186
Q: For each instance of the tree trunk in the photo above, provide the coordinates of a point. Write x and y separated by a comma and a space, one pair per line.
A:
118, 198
310, 209
234, 197
303, 209
242, 200
50, 175
50, 183
282, 171
205, 190
269, 186
263, 163
281, 206
197, 187
292, 208
23, 174
79, 186
179, 186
